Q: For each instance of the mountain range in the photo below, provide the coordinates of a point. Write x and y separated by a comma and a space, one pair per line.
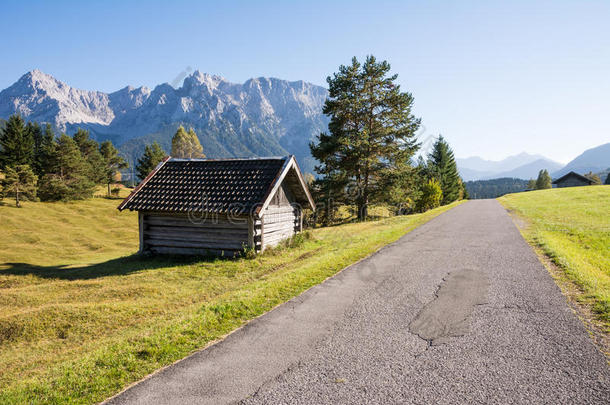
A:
261, 117
526, 166
594, 160
521, 166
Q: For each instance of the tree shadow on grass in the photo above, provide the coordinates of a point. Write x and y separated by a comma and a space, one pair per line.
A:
115, 267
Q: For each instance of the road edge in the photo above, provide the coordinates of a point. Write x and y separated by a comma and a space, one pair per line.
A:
570, 290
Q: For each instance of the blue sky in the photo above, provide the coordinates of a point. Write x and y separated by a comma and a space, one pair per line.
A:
495, 78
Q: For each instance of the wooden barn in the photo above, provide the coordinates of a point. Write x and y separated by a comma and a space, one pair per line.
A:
572, 179
219, 206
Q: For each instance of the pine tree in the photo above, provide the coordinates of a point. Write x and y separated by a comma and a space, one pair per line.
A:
544, 180
90, 152
37, 138
186, 144
531, 184
442, 166
44, 160
16, 143
112, 162
607, 179
20, 182
68, 178
371, 130
153, 155
401, 188
422, 168
466, 193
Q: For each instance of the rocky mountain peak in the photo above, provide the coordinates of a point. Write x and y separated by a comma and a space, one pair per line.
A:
261, 117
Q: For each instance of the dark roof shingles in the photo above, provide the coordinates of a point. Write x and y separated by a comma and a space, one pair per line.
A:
217, 186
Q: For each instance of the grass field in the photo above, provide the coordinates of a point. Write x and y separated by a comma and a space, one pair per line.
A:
82, 317
572, 227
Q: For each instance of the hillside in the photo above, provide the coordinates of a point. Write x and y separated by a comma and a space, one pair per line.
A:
82, 317
570, 226
261, 117
478, 189
594, 160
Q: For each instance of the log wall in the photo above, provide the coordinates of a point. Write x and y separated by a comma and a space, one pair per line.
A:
178, 234
167, 233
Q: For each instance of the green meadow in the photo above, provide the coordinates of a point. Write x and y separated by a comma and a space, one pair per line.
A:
572, 227
82, 316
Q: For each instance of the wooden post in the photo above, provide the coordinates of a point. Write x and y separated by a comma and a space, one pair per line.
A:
141, 226
251, 231
262, 233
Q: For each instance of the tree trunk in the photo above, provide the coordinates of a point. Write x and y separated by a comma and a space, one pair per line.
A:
17, 203
108, 189
363, 209
364, 212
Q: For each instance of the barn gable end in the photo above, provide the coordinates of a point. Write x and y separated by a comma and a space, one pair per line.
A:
572, 179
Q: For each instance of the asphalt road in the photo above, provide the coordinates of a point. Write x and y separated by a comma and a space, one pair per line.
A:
459, 310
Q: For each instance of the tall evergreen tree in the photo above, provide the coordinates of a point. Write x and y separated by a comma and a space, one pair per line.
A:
329, 192
90, 152
16, 143
37, 137
531, 184
19, 182
112, 162
371, 130
401, 188
44, 158
69, 176
607, 179
442, 166
186, 144
153, 155
544, 180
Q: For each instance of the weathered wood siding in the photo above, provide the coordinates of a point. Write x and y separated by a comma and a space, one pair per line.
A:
572, 181
167, 233
281, 219
178, 234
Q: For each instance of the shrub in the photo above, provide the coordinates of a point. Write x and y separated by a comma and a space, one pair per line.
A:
431, 196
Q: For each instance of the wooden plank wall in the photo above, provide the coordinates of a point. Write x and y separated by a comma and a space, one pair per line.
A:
177, 234
281, 219
167, 233
572, 182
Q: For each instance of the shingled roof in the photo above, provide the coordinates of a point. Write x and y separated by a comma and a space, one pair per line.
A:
222, 186
573, 174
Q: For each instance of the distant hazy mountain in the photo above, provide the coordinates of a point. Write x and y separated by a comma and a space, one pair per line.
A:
261, 117
530, 170
523, 164
595, 160
471, 174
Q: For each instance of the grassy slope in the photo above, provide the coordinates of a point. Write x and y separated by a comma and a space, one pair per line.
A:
80, 318
572, 227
